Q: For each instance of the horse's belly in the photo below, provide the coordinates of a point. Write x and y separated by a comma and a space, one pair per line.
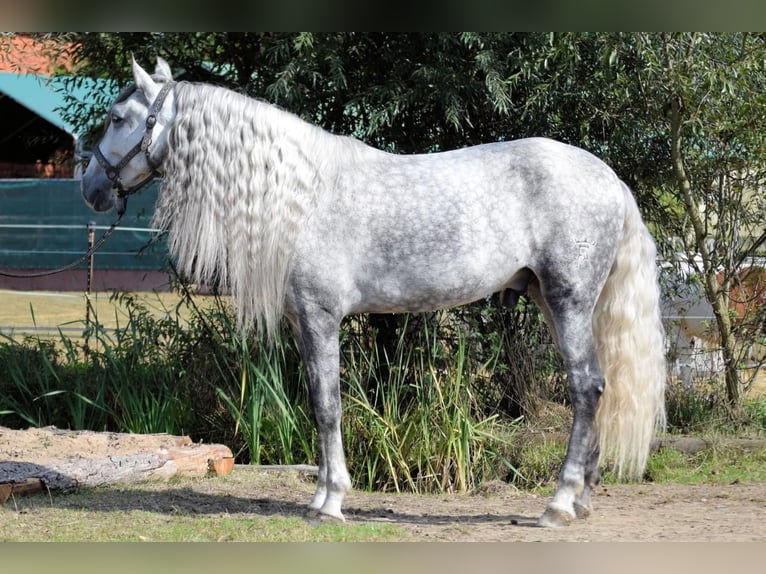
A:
427, 288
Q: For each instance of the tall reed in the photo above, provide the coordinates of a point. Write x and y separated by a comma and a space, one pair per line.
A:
415, 424
412, 419
269, 409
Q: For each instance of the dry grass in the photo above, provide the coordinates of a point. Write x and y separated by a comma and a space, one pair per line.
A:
45, 312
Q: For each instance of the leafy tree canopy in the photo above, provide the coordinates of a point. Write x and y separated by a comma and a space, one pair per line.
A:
680, 117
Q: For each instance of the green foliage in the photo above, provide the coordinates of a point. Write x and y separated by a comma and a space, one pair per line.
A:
537, 460
140, 365
718, 463
523, 370
428, 414
415, 424
275, 426
412, 420
40, 386
408, 92
703, 408
754, 413
694, 409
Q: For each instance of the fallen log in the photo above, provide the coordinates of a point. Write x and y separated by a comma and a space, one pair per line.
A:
63, 460
29, 486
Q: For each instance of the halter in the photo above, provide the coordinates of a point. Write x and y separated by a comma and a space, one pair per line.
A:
113, 171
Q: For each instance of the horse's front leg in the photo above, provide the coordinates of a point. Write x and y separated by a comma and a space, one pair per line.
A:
318, 334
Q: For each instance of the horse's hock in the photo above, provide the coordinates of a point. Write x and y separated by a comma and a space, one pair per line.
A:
49, 458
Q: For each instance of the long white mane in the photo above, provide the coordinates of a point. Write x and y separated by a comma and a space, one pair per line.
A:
240, 178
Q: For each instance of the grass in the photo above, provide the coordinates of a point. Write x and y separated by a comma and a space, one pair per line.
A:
412, 420
416, 425
245, 506
214, 509
69, 525
716, 464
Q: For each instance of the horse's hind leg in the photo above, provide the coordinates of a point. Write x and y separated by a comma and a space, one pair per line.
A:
579, 472
570, 318
317, 332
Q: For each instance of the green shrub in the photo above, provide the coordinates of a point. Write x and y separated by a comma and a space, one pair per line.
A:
415, 424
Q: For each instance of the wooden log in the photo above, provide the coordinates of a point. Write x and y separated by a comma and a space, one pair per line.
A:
29, 486
66, 459
198, 459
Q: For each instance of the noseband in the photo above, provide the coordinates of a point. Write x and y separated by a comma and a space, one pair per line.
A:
113, 171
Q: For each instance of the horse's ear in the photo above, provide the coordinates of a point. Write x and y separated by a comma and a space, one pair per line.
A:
163, 69
144, 81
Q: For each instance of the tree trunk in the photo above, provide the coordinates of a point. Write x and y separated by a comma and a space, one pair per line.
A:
728, 341
716, 294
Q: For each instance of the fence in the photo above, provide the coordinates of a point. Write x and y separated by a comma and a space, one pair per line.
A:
45, 224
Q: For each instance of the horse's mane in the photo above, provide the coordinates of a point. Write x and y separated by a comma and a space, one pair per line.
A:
240, 178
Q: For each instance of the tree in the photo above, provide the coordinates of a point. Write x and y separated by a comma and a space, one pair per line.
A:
707, 99
679, 116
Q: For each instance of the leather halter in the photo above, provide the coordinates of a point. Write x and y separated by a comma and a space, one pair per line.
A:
113, 171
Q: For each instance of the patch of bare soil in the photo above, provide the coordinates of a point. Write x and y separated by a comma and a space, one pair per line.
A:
497, 512
636, 512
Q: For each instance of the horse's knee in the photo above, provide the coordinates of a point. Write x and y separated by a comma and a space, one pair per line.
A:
326, 415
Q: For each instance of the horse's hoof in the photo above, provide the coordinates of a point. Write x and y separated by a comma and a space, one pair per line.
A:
554, 518
582, 511
318, 515
331, 518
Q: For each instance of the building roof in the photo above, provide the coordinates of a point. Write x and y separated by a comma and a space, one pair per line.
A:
45, 96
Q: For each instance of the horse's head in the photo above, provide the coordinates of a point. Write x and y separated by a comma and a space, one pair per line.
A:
135, 142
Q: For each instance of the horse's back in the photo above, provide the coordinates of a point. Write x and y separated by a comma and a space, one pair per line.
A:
412, 233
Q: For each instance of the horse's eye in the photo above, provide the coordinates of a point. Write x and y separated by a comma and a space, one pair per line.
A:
116, 120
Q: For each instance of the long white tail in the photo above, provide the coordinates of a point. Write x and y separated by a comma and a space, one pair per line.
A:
630, 345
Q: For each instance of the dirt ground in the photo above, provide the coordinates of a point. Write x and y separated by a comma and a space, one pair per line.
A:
501, 513
497, 512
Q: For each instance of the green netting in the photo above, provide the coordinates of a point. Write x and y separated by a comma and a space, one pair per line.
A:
44, 225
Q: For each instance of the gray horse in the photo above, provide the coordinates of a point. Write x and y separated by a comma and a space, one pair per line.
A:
300, 223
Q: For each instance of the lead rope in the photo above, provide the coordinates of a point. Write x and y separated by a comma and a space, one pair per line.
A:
74, 264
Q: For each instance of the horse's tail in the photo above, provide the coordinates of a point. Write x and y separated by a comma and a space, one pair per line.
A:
631, 351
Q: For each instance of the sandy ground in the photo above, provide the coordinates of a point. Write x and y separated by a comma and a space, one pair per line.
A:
496, 512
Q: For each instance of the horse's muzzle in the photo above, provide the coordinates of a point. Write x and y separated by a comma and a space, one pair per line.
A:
99, 195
